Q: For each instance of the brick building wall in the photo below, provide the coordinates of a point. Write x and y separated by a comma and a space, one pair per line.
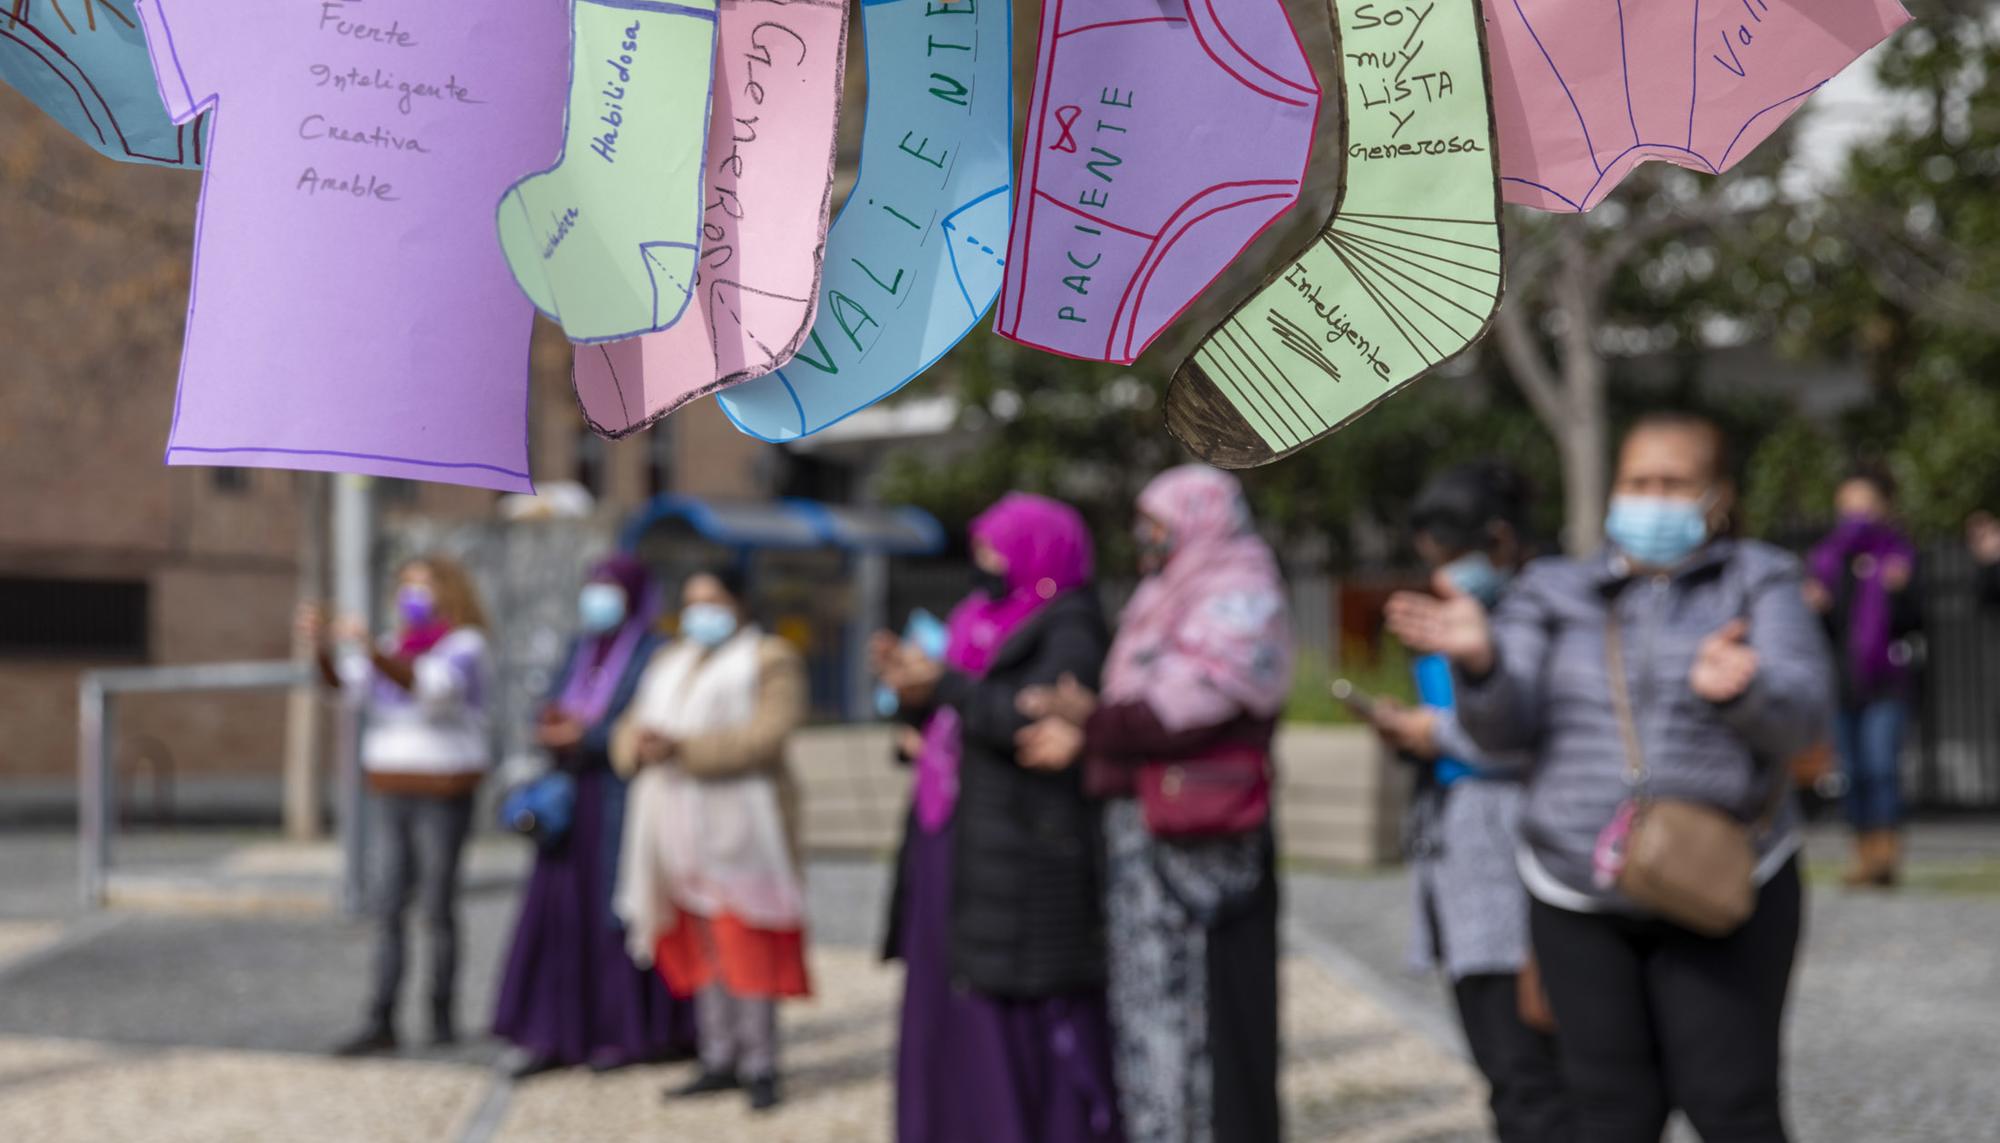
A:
94, 269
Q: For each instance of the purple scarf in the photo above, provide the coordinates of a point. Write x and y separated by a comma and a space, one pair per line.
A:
1048, 551
600, 660
1870, 612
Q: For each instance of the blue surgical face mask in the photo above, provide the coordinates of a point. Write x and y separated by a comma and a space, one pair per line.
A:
1657, 531
1475, 575
600, 607
709, 624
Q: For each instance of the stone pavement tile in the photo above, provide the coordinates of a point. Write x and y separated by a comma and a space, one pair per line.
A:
62, 1092
836, 1052
1352, 1074
20, 939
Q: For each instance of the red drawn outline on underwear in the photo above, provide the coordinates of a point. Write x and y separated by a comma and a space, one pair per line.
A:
124, 144
1195, 26
1007, 321
1295, 85
1083, 214
1027, 232
1123, 23
1157, 254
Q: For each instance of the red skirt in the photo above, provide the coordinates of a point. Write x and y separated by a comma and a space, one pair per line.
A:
750, 963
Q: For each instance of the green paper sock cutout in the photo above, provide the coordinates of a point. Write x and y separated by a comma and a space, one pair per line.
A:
1407, 272
606, 241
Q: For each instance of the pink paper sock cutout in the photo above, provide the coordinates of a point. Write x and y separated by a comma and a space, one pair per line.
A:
1164, 136
780, 66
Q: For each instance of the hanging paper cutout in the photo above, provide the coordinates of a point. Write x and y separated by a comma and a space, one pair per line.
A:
1405, 275
1165, 137
84, 62
1585, 91
770, 184
351, 311
916, 256
605, 241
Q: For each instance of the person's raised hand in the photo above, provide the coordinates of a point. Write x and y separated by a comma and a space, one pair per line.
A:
559, 732
1982, 535
882, 649
1817, 596
655, 748
1068, 700
913, 676
1407, 730
1726, 664
1897, 572
1449, 623
1049, 745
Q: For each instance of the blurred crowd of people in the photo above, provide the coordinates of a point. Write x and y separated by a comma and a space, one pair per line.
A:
1604, 852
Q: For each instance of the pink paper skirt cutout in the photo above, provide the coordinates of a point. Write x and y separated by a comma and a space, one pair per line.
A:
1586, 90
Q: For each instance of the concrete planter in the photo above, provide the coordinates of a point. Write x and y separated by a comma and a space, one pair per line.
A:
1340, 797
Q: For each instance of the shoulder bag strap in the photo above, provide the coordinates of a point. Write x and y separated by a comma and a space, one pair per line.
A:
1621, 700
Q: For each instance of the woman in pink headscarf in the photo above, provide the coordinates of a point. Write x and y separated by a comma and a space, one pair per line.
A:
997, 913
1180, 745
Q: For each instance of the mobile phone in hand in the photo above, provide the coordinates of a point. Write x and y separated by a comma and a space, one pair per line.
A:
1355, 699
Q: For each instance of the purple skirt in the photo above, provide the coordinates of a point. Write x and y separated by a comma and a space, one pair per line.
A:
976, 1069
571, 992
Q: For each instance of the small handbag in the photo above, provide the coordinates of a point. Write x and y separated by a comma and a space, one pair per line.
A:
541, 808
1220, 794
1688, 862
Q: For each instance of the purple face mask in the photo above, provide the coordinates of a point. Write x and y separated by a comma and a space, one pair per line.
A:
416, 604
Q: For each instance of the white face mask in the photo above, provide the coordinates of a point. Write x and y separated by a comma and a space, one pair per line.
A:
709, 624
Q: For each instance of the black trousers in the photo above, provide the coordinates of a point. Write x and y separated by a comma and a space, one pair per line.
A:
1653, 1017
1529, 1100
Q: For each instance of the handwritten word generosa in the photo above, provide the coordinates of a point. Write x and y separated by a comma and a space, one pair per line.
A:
606, 143
333, 20
786, 62
407, 91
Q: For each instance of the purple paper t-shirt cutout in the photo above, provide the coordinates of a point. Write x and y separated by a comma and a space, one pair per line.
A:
1165, 135
351, 311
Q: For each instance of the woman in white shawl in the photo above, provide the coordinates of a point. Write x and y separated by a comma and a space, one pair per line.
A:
708, 883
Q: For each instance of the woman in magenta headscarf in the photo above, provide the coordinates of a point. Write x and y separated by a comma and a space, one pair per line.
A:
997, 912
1860, 584
1181, 746
570, 994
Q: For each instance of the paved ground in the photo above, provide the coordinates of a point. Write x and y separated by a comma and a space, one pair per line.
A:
145, 1026
207, 1028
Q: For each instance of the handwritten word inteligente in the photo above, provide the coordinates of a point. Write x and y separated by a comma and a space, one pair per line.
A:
354, 79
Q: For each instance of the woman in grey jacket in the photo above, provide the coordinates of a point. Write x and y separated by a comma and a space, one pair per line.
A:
1729, 677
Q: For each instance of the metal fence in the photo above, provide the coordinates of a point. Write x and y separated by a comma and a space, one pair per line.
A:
1957, 744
